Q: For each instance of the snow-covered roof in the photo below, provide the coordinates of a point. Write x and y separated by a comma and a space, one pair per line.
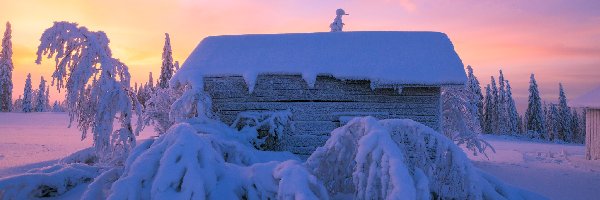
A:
590, 99
391, 57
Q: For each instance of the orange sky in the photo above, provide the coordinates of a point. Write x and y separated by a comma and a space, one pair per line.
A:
558, 40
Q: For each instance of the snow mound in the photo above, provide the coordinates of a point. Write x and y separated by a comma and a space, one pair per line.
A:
398, 159
47, 182
185, 164
394, 57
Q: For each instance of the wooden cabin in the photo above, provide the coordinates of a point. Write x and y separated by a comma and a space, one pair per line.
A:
324, 79
591, 103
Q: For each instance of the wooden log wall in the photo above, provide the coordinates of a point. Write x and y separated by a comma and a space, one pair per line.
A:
317, 111
592, 134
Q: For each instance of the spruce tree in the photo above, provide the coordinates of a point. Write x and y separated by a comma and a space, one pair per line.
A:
534, 115
495, 107
476, 97
576, 127
511, 109
503, 112
40, 99
487, 125
564, 118
27, 95
150, 80
166, 71
6, 68
553, 123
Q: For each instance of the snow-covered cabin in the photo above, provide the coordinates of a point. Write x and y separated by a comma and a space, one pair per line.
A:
324, 79
591, 103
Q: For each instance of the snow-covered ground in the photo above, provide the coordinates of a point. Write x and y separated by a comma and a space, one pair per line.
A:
558, 171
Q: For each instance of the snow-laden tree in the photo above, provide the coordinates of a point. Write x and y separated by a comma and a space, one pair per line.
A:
56, 107
534, 114
81, 54
6, 68
495, 107
477, 97
564, 118
18, 104
511, 109
150, 81
158, 107
489, 103
27, 95
460, 122
166, 70
40, 99
337, 25
47, 98
503, 114
576, 128
552, 123
176, 65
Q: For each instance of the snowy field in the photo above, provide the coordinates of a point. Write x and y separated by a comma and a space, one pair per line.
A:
37, 139
557, 171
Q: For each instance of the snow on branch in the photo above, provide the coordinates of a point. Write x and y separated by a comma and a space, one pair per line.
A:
79, 55
273, 122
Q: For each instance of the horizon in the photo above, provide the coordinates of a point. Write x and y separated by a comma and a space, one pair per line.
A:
557, 40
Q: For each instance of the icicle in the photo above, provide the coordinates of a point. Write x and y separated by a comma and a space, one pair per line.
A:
250, 79
310, 78
398, 89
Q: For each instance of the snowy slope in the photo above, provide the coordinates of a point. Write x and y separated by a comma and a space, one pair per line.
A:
557, 171
384, 57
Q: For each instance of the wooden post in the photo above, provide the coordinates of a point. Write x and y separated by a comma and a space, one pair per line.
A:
592, 136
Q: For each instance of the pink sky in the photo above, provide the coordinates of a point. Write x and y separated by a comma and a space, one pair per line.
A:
558, 40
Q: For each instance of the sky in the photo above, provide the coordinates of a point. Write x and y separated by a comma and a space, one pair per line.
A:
558, 40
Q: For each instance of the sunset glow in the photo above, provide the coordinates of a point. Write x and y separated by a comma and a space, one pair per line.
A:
558, 40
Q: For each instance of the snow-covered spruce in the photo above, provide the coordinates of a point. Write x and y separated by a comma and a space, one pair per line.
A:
534, 114
81, 54
27, 104
40, 99
401, 159
166, 70
6, 68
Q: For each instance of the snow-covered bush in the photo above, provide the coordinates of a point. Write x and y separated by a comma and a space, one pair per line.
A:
185, 164
401, 159
81, 54
460, 119
269, 126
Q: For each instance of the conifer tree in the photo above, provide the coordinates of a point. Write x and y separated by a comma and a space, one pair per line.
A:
503, 112
564, 118
6, 68
534, 115
576, 128
151, 80
487, 125
27, 95
477, 97
553, 123
511, 109
166, 71
40, 99
495, 107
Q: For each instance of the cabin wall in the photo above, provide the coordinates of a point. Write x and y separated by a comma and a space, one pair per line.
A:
592, 137
317, 111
